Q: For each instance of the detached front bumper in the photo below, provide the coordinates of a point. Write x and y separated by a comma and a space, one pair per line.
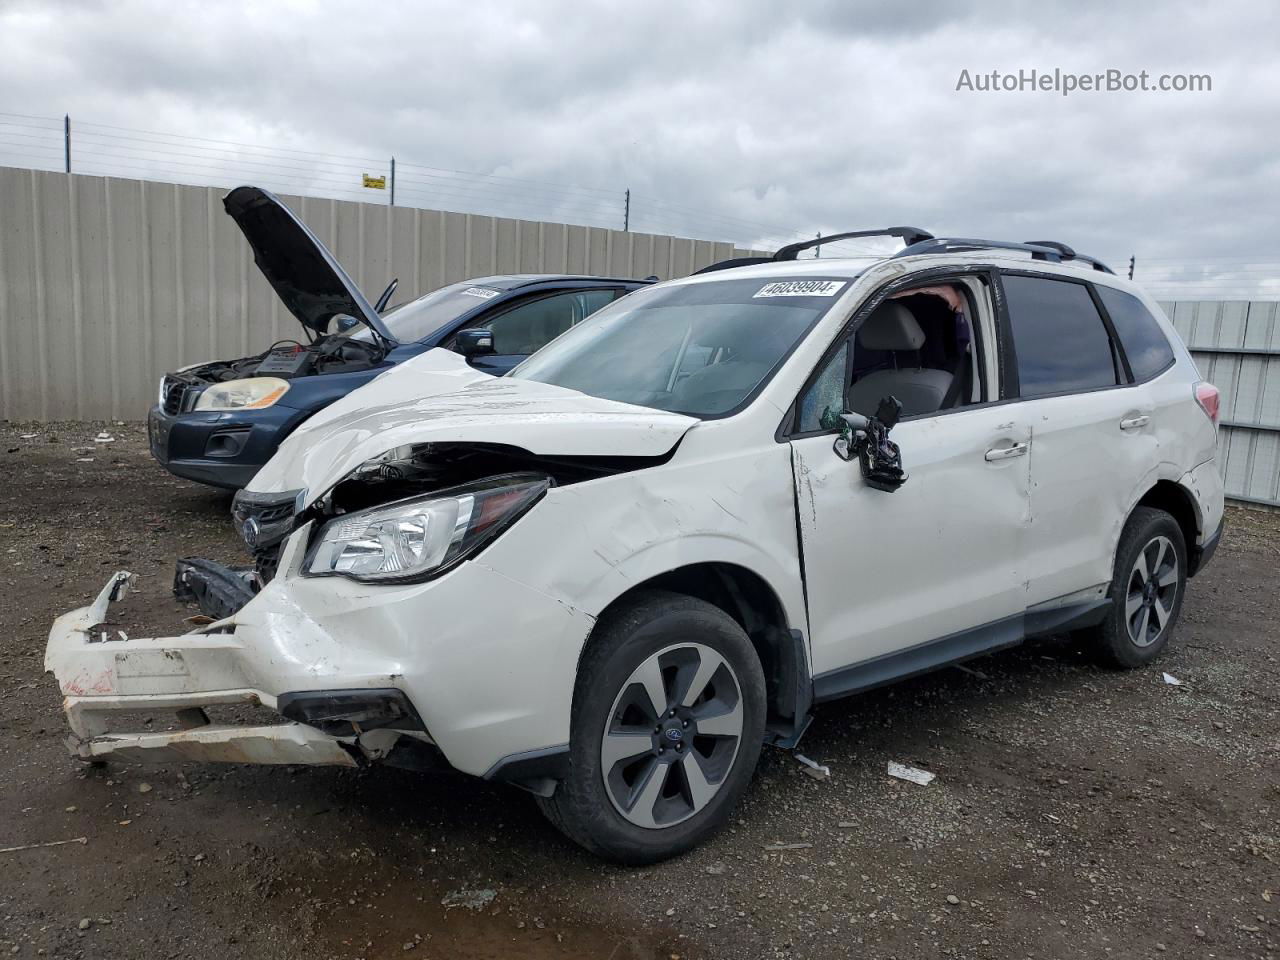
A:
108, 680
473, 669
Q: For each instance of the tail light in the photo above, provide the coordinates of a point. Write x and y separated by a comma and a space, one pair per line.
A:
1207, 396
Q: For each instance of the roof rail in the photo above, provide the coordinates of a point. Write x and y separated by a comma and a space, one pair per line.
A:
735, 262
1048, 250
908, 235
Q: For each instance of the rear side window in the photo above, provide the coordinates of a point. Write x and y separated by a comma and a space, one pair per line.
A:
1061, 343
1144, 343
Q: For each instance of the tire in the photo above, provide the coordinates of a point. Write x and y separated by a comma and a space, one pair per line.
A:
1144, 608
687, 771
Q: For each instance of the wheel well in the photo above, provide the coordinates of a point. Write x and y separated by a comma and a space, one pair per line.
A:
1175, 501
753, 604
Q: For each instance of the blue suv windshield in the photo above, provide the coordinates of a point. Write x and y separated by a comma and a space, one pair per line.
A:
701, 348
419, 319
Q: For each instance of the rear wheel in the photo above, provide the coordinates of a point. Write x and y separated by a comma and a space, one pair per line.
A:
1147, 588
668, 720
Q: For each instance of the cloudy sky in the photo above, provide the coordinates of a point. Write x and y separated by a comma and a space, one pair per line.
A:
737, 120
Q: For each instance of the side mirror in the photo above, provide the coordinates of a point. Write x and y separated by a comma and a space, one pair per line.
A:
473, 343
345, 322
866, 439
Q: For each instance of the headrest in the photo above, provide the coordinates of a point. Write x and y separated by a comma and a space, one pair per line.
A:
891, 326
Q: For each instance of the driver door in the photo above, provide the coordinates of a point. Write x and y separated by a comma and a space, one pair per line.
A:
899, 582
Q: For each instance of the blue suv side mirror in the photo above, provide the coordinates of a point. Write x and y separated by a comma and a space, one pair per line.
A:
473, 343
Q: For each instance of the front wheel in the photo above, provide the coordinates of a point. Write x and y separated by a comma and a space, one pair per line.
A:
668, 720
1147, 588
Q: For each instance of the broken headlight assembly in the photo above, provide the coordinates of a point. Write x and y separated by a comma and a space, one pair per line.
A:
254, 393
414, 539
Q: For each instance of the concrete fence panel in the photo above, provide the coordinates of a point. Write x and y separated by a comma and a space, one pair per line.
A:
107, 283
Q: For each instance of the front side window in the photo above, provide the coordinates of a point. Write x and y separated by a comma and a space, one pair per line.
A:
918, 346
1061, 343
1144, 343
699, 348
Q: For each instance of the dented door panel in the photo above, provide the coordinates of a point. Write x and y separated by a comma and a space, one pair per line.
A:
942, 554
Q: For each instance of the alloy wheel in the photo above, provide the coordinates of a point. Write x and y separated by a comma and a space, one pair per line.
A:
1152, 591
672, 735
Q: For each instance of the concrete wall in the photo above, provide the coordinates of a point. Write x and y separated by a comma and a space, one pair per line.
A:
105, 283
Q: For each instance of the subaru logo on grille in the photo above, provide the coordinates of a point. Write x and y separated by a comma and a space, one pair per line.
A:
250, 530
674, 733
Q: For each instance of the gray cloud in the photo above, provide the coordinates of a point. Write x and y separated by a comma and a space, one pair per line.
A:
739, 120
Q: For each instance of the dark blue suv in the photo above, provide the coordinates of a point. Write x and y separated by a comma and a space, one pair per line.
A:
219, 422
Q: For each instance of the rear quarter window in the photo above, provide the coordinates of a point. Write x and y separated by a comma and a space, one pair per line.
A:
1144, 342
1061, 343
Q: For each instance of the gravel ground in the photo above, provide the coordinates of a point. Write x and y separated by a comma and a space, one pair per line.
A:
1077, 812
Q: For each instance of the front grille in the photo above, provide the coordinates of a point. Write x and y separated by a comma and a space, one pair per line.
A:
264, 520
172, 391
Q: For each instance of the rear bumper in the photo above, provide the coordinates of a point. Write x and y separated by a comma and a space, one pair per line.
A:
1203, 553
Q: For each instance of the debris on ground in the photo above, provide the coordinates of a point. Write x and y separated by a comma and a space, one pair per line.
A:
972, 672
912, 774
799, 845
104, 437
1171, 680
814, 769
29, 436
51, 843
471, 899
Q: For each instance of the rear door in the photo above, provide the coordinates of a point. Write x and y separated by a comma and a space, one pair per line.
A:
532, 323
1093, 438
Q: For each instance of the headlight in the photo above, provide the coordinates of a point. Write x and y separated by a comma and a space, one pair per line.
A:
251, 394
413, 539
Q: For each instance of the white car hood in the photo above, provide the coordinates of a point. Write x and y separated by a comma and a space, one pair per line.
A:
438, 398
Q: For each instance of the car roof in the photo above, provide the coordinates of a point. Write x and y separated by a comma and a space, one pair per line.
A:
850, 268
514, 281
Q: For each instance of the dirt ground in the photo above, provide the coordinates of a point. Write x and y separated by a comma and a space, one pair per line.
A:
1077, 812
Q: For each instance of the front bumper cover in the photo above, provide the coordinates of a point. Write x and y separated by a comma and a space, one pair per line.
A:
105, 676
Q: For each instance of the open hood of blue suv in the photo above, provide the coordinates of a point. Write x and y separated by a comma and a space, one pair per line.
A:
301, 270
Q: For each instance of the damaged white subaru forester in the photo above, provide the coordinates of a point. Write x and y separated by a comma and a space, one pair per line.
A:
612, 575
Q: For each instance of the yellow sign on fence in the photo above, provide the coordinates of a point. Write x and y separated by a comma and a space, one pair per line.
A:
375, 183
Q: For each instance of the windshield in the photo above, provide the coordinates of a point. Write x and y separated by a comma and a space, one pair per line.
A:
699, 348
420, 318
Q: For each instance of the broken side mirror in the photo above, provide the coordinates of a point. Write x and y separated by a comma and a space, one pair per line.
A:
867, 440
473, 343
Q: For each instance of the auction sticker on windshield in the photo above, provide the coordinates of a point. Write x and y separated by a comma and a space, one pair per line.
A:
800, 288
484, 293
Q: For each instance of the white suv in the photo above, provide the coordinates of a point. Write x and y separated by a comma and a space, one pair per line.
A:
612, 575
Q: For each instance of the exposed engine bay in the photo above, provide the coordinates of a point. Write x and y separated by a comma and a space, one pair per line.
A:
287, 359
265, 520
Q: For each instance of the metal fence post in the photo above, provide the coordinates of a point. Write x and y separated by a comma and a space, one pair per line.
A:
626, 212
1132, 261
66, 139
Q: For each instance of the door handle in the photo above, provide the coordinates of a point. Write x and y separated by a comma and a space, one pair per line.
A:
1133, 423
1004, 453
